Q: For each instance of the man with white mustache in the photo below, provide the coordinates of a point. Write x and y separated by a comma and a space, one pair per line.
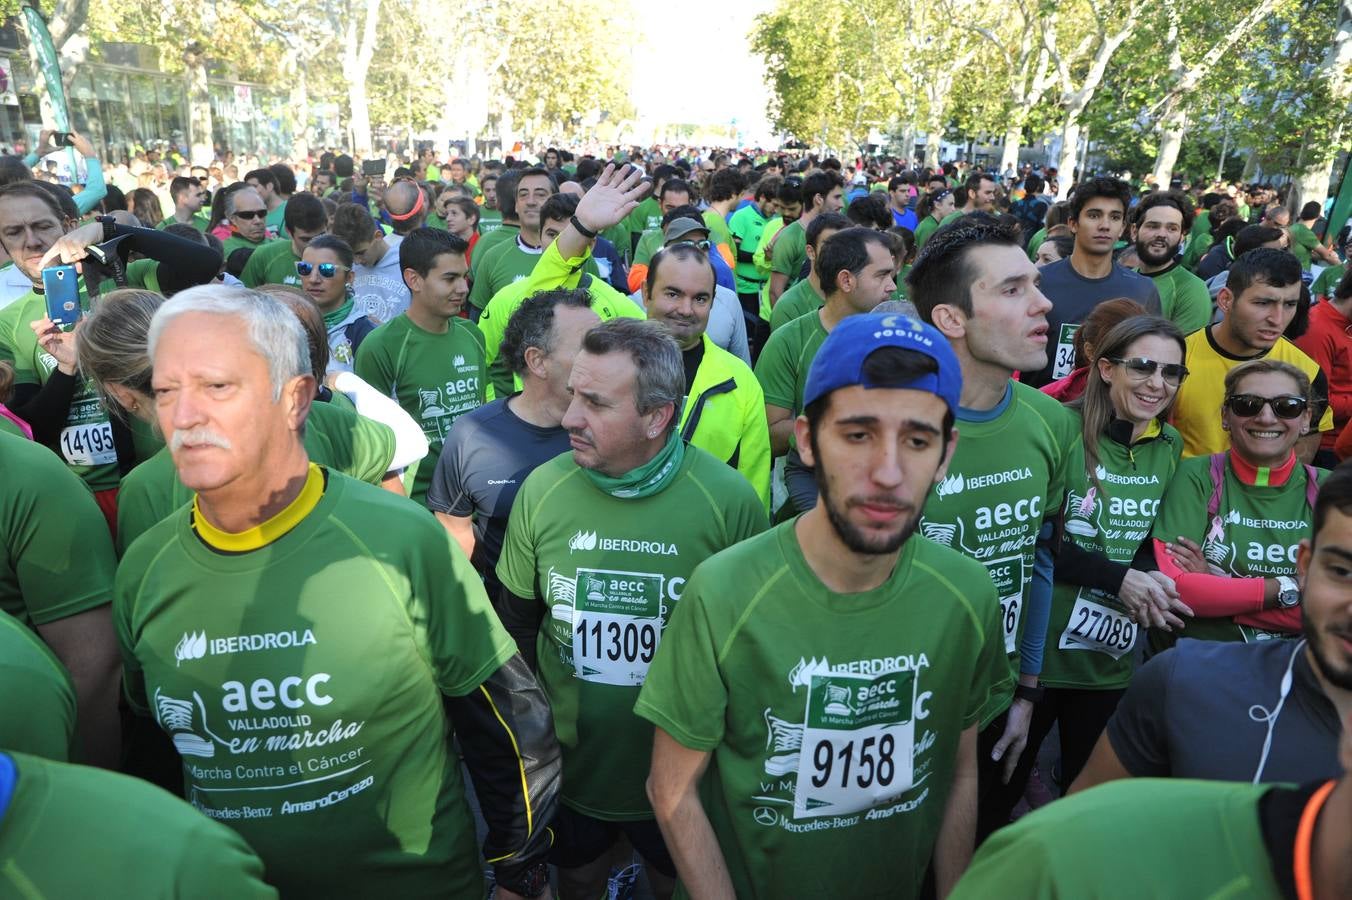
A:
303, 637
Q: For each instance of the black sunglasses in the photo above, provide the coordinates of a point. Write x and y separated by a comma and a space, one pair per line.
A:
247, 214
1249, 405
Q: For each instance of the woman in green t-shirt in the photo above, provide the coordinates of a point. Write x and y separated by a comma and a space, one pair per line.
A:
932, 209
1230, 525
1100, 599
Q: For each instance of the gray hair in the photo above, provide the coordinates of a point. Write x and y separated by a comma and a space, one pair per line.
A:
532, 325
231, 198
276, 333
898, 307
661, 373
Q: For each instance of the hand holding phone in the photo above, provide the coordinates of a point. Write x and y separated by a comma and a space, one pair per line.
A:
61, 287
373, 167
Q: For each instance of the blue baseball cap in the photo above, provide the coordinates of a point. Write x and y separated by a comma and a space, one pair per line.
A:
840, 359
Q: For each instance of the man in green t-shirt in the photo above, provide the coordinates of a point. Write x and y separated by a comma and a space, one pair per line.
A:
275, 262
512, 260
428, 358
56, 577
265, 182
73, 831
188, 196
856, 270
598, 549
676, 193
246, 213
37, 694
822, 192
1305, 243
1159, 225
509, 226
806, 296
818, 696
315, 657
974, 282
490, 218
746, 226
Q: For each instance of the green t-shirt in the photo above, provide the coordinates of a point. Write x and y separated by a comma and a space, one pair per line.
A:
951, 217
1089, 635
312, 723
1137, 837
833, 720
58, 558
790, 251
507, 263
76, 831
648, 214
1199, 242
799, 300
1184, 298
1006, 476
336, 437
1328, 280
490, 220
785, 360
502, 234
625, 562
436, 378
86, 439
746, 226
273, 263
1258, 533
719, 233
1033, 243
200, 221
236, 242
276, 221
924, 229
37, 695
1303, 240
648, 245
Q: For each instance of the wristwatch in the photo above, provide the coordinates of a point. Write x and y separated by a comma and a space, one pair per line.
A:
1288, 591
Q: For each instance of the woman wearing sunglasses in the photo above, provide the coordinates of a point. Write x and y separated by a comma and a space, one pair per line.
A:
1099, 599
1228, 529
325, 271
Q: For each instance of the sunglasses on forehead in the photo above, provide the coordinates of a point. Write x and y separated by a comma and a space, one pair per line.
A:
247, 214
326, 270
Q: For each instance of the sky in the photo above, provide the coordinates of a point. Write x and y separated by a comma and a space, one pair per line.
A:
720, 78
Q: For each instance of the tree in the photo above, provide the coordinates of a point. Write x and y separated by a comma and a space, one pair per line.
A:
66, 21
1332, 83
1026, 66
359, 43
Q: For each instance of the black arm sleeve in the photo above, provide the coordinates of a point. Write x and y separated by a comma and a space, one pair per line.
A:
506, 734
45, 408
745, 256
521, 616
183, 263
1088, 568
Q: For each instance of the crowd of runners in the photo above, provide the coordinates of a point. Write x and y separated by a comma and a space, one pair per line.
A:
670, 522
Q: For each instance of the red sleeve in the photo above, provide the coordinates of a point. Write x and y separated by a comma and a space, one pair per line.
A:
1342, 447
1274, 619
1211, 596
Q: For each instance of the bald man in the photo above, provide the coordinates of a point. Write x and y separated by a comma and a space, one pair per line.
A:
407, 205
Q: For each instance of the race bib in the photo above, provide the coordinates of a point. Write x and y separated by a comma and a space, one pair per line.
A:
1007, 574
858, 743
1064, 361
1096, 626
90, 444
617, 625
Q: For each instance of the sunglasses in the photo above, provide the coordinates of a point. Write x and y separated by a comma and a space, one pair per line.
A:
247, 214
1140, 368
326, 270
1249, 405
698, 245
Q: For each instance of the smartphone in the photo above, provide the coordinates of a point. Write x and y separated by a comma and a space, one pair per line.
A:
64, 139
61, 286
371, 167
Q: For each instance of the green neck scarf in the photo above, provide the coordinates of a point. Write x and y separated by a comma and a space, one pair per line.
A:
338, 315
647, 479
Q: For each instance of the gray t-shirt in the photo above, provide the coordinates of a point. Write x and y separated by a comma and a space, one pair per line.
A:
1073, 297
1202, 709
379, 290
486, 456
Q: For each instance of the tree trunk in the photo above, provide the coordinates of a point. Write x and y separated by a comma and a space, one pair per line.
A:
359, 121
932, 148
201, 145
1313, 174
1250, 167
1010, 156
1070, 150
1171, 142
908, 144
300, 114
357, 54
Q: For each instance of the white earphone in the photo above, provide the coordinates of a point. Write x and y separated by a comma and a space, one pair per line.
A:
1259, 713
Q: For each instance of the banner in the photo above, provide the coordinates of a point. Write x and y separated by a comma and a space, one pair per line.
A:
51, 73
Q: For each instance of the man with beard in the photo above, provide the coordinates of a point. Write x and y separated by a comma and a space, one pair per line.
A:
1266, 711
1160, 224
833, 755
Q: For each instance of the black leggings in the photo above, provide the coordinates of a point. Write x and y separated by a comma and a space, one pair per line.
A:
1082, 716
